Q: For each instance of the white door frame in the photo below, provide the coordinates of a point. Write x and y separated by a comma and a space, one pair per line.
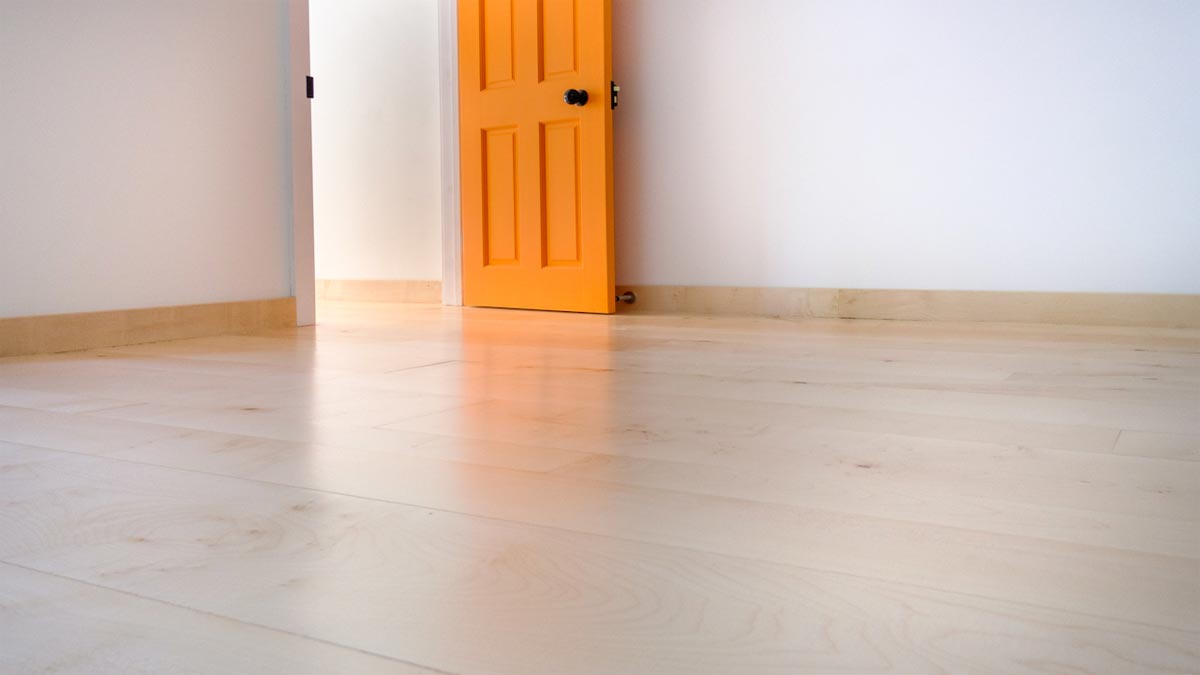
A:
451, 194
304, 281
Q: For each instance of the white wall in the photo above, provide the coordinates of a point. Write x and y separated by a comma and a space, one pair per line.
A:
376, 146
941, 144
143, 154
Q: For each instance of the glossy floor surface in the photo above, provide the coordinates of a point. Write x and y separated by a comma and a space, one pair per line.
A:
411, 488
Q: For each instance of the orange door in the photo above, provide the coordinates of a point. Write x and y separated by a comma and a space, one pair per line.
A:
536, 168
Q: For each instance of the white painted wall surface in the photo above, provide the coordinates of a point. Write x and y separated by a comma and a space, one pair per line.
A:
143, 154
376, 147
1048, 145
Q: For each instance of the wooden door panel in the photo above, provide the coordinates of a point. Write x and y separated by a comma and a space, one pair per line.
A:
500, 215
562, 217
536, 172
558, 39
498, 41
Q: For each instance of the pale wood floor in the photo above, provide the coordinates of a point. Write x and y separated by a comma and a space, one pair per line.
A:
411, 488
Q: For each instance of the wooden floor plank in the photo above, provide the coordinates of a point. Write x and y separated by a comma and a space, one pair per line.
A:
486, 491
1126, 502
107, 631
469, 594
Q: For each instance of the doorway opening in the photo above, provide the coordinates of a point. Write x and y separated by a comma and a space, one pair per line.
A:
384, 179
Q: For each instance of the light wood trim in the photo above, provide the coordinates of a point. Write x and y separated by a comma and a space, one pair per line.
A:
1106, 309
1097, 309
23, 336
733, 301
379, 290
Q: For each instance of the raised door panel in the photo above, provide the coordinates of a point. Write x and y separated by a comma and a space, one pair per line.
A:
497, 43
558, 38
501, 208
561, 206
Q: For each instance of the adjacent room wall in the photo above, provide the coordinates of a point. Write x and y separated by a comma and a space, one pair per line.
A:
376, 149
936, 144
143, 154
852, 144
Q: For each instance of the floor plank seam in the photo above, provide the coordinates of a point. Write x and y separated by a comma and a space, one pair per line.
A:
1116, 442
99, 414
644, 542
222, 617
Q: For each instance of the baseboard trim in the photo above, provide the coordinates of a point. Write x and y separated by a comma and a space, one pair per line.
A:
1095, 309
23, 336
379, 290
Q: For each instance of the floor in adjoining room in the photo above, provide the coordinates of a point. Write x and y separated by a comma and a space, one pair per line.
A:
411, 487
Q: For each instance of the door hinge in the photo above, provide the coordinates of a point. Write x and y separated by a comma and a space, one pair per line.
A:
616, 89
308, 85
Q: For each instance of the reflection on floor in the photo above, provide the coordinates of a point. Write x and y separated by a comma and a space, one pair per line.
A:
411, 488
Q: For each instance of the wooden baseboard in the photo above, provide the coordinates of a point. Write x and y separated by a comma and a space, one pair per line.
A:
379, 290
23, 336
1096, 309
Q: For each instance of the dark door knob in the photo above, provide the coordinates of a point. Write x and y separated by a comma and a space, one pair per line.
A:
577, 97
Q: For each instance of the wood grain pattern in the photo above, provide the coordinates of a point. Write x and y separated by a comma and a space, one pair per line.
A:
1094, 309
485, 491
70, 332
